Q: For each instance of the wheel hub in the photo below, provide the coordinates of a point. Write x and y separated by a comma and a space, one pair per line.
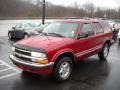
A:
64, 70
9, 35
106, 52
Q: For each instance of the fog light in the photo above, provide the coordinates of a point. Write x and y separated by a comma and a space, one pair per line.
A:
41, 61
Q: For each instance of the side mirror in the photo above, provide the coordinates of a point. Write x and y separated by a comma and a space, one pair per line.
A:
13, 27
85, 34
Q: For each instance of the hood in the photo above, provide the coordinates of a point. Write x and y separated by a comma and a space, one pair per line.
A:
44, 42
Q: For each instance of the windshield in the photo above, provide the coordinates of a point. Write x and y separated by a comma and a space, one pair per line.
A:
65, 29
18, 26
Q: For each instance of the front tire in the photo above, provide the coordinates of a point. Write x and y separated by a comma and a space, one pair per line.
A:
104, 52
63, 69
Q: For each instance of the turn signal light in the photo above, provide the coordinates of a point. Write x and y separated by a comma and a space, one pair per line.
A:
41, 61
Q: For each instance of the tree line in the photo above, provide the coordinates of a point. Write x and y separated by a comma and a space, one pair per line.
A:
33, 8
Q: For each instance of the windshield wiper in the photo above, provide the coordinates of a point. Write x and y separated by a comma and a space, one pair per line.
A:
56, 34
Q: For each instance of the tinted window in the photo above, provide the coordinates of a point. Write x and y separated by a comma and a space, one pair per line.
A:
27, 26
86, 29
98, 28
32, 24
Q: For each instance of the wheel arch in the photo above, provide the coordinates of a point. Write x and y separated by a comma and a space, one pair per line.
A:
108, 42
69, 54
25, 33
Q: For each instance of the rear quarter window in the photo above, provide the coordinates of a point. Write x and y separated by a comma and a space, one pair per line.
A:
106, 26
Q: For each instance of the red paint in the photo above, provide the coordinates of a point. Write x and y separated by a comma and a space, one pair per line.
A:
55, 46
41, 71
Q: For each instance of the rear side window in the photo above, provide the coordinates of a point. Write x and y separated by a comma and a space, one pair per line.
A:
97, 27
86, 29
27, 26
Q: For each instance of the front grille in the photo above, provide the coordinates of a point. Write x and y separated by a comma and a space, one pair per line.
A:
24, 52
20, 52
23, 58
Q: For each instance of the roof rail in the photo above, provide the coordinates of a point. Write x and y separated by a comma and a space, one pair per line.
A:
98, 18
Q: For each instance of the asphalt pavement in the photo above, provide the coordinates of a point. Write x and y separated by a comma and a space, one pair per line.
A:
89, 74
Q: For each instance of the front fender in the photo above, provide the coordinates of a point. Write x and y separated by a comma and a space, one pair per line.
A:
57, 54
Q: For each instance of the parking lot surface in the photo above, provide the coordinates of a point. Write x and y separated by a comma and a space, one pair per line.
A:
6, 70
89, 74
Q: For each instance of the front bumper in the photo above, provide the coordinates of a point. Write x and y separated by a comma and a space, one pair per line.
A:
33, 34
32, 67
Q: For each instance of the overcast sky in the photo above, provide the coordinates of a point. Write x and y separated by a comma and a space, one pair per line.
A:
102, 3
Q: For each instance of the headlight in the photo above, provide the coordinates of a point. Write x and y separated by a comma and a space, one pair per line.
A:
13, 49
38, 55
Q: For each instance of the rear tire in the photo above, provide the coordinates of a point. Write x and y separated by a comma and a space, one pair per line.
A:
63, 69
104, 52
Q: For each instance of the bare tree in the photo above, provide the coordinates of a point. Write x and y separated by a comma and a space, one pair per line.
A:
33, 8
89, 8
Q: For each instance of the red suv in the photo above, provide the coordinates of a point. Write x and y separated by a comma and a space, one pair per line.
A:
62, 44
